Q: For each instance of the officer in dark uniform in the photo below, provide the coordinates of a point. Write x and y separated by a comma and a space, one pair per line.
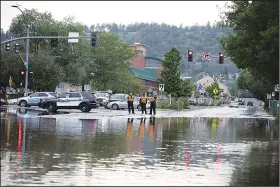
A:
143, 103
130, 100
153, 104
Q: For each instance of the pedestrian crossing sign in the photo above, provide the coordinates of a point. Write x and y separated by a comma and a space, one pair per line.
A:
215, 91
161, 87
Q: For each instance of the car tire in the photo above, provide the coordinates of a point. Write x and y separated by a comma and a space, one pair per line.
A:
115, 107
23, 103
139, 107
51, 107
84, 107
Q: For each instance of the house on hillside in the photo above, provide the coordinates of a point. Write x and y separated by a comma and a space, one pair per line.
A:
208, 80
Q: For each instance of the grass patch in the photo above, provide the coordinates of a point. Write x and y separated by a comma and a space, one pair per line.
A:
277, 119
176, 104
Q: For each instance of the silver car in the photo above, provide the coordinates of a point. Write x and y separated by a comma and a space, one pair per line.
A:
33, 99
116, 105
102, 98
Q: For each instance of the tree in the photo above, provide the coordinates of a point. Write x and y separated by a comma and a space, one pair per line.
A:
11, 65
110, 64
72, 57
255, 42
211, 88
258, 86
47, 74
187, 88
171, 76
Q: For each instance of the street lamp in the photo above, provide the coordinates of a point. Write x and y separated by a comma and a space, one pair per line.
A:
27, 50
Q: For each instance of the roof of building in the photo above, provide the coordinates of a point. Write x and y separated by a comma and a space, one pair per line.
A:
145, 74
138, 44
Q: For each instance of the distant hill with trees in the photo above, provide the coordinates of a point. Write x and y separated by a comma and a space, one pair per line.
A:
162, 37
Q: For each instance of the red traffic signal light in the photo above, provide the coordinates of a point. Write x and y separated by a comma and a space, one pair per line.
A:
221, 58
190, 56
22, 72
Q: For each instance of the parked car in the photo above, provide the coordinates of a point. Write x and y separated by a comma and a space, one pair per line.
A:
250, 103
102, 98
162, 97
84, 101
241, 102
234, 104
116, 105
3, 102
192, 101
115, 97
33, 99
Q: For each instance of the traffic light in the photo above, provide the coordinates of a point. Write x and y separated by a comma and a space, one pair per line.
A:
221, 58
22, 73
30, 75
93, 39
54, 41
190, 56
22, 77
7, 46
16, 48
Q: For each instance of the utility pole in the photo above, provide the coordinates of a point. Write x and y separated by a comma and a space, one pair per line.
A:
26, 61
27, 48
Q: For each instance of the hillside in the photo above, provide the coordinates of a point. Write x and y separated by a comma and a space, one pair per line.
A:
161, 37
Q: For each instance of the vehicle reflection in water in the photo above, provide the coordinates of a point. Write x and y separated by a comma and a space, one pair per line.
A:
158, 151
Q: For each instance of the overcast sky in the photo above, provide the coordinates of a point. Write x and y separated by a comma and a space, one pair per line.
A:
125, 12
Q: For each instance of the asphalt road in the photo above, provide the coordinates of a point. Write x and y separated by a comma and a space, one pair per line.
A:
195, 111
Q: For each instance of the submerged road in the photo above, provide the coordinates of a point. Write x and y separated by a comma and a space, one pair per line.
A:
200, 147
218, 111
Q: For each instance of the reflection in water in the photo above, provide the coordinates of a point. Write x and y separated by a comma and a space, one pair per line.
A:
47, 151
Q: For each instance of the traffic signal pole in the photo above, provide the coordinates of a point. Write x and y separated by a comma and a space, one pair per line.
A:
45, 37
26, 61
27, 48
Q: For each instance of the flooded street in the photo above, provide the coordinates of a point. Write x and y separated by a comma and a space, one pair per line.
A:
139, 151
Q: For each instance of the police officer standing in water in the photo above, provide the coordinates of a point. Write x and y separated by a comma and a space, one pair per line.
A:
130, 100
143, 102
153, 104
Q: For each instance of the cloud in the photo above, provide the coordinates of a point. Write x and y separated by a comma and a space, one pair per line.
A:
125, 12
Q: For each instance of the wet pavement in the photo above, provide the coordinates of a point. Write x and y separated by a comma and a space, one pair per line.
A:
194, 112
141, 151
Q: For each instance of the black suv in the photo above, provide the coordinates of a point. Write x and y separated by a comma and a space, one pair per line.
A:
84, 101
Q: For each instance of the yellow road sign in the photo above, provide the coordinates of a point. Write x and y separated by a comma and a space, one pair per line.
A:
215, 91
10, 81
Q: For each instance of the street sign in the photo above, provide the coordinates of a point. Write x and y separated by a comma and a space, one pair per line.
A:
10, 81
273, 94
206, 56
215, 91
73, 34
268, 96
161, 87
276, 88
26, 64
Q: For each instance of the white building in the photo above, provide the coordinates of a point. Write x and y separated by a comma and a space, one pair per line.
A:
208, 80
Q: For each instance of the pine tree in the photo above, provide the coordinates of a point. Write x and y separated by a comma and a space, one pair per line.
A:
171, 76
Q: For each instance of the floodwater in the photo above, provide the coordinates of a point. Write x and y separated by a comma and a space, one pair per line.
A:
148, 151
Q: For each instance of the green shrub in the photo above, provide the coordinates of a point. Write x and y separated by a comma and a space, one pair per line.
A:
176, 104
277, 119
